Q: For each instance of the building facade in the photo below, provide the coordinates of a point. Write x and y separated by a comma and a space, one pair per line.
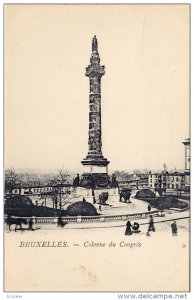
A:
187, 163
40, 190
168, 181
174, 181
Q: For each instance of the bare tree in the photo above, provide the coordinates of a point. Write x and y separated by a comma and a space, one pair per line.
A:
12, 180
60, 190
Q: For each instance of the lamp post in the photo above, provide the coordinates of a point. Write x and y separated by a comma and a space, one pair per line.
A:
54, 197
60, 200
165, 183
36, 207
59, 192
92, 186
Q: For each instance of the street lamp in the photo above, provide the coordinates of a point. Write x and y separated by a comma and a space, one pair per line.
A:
59, 190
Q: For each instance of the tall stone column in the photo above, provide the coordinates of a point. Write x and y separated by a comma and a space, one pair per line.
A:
94, 161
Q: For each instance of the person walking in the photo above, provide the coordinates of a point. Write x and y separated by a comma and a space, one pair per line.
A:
151, 224
30, 224
128, 230
174, 228
60, 222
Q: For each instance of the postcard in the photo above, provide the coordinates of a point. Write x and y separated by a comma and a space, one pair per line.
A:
97, 148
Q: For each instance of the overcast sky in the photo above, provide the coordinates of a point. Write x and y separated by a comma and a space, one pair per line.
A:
145, 90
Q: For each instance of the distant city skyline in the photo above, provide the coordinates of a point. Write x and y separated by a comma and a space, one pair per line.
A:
145, 91
79, 170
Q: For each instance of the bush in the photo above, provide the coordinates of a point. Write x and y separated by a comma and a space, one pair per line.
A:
22, 206
180, 205
145, 193
81, 208
165, 202
19, 205
40, 211
171, 202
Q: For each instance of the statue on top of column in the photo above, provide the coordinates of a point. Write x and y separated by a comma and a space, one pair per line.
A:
94, 44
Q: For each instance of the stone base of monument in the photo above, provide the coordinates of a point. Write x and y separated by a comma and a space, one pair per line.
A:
95, 180
96, 188
92, 195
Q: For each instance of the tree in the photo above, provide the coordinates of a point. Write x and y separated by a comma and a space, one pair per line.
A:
29, 180
60, 178
58, 195
12, 180
19, 180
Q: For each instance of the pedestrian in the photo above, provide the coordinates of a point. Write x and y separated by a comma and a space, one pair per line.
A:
100, 208
149, 207
151, 224
60, 222
128, 228
174, 228
30, 223
135, 227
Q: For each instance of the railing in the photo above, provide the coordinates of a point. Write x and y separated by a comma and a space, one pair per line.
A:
93, 219
44, 220
96, 219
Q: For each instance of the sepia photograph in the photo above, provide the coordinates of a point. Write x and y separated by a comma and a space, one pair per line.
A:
96, 148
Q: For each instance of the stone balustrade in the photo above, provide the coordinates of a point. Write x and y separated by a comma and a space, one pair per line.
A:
96, 219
